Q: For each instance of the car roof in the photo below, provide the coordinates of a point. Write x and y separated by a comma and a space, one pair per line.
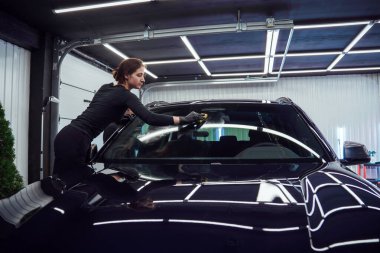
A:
162, 104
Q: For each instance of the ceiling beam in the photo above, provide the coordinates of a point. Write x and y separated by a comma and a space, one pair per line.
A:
18, 33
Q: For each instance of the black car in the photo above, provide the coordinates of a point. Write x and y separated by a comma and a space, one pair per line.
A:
256, 176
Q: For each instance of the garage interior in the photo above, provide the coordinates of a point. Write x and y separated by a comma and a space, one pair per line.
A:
325, 56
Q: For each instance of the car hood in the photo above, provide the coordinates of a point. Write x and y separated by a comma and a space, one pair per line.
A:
310, 214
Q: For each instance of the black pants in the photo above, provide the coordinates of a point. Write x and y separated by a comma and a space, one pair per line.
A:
70, 148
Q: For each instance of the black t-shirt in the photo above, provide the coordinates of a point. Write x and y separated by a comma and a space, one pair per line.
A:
108, 105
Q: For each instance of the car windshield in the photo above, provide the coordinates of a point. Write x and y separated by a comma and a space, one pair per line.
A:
234, 133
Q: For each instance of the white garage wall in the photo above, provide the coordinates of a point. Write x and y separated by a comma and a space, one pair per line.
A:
344, 107
14, 96
79, 81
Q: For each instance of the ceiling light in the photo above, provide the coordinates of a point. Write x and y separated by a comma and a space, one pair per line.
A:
358, 37
355, 69
205, 69
228, 58
297, 27
239, 74
97, 6
337, 59
108, 46
308, 54
302, 71
270, 50
169, 61
151, 74
366, 51
115, 51
190, 47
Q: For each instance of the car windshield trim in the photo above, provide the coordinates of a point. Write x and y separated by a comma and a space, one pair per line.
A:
216, 161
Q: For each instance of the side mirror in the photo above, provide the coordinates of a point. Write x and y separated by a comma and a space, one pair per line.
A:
354, 153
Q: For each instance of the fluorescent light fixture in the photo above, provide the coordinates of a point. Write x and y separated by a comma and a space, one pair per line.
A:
366, 51
297, 27
228, 58
97, 6
274, 42
151, 74
115, 51
273, 49
355, 69
302, 71
337, 59
308, 54
205, 69
169, 61
324, 70
267, 51
266, 65
190, 47
271, 63
239, 74
108, 46
268, 43
270, 50
358, 37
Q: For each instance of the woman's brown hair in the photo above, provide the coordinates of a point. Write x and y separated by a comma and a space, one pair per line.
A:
126, 67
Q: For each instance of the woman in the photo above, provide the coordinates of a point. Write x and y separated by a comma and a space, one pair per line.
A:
108, 105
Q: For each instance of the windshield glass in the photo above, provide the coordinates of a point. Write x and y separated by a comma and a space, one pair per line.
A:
243, 133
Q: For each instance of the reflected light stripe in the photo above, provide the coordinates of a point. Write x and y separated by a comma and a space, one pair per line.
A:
360, 188
168, 201
354, 242
280, 229
147, 183
212, 223
59, 210
366, 183
266, 130
127, 221
192, 192
346, 188
225, 202
287, 193
340, 209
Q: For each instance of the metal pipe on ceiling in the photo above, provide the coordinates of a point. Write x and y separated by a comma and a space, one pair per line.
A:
195, 30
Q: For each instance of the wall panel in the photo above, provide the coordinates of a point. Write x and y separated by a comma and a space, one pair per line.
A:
79, 81
345, 107
14, 96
